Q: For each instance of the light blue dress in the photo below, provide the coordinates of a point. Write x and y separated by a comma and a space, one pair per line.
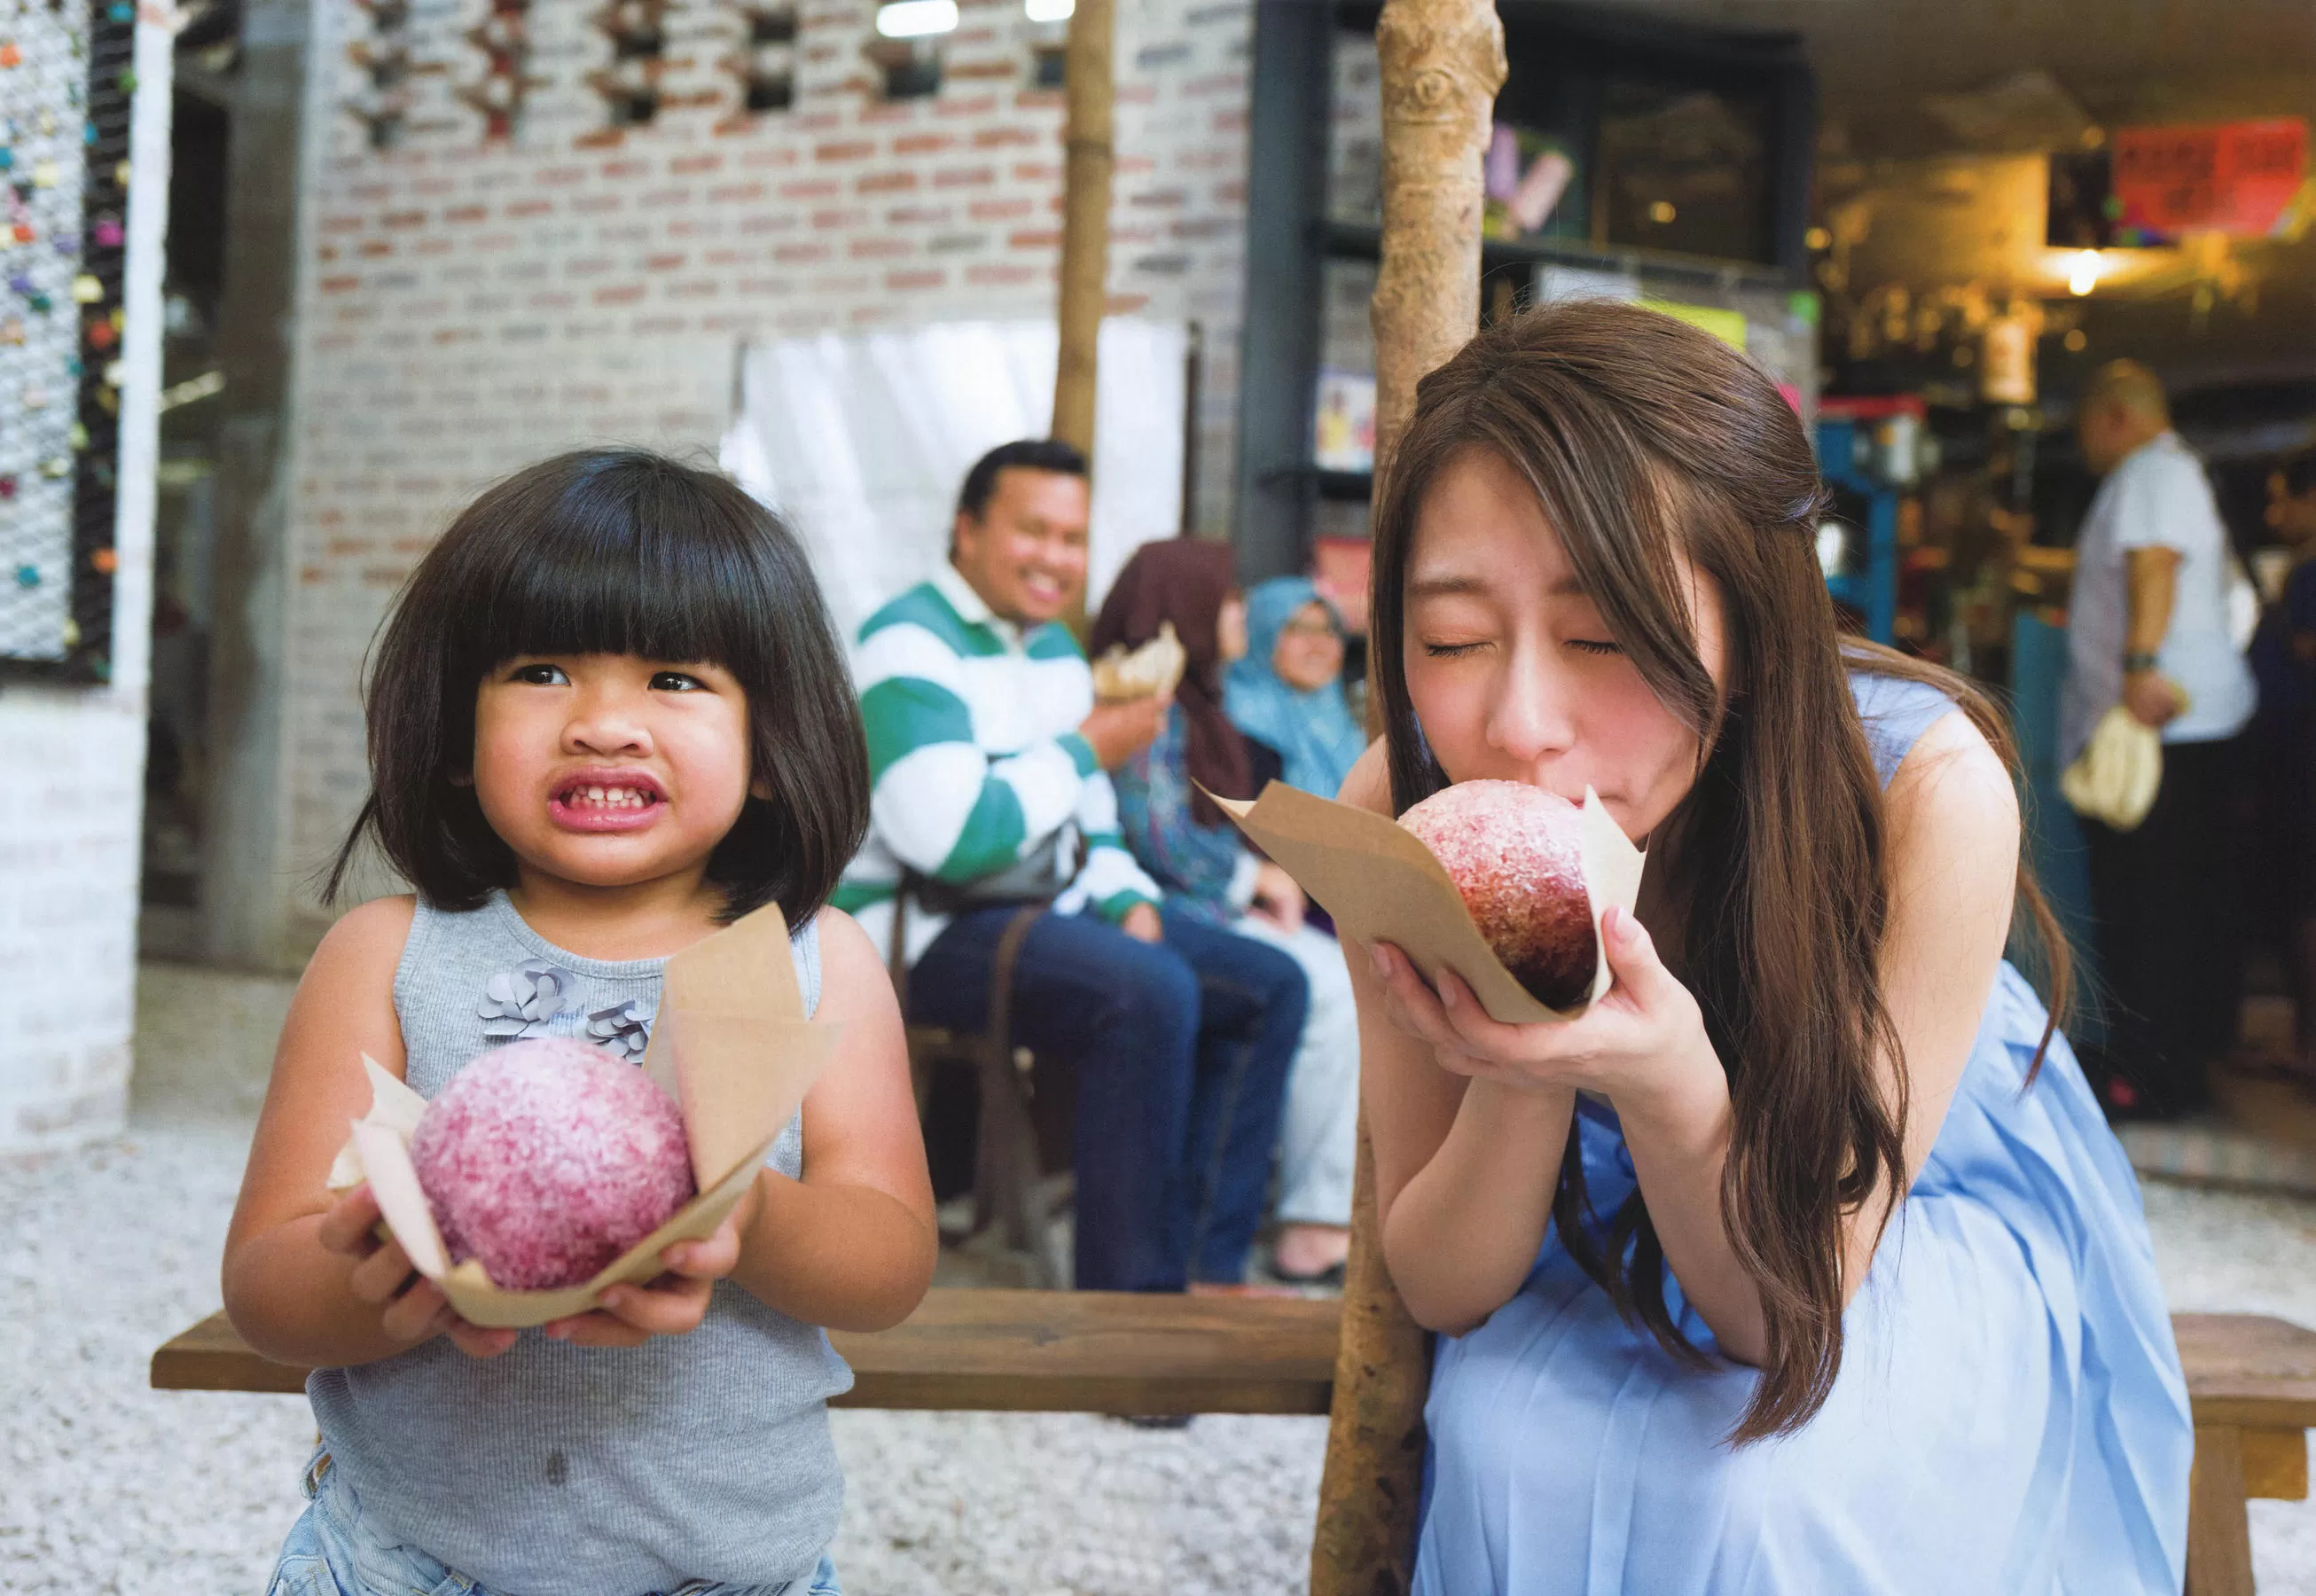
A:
2010, 1418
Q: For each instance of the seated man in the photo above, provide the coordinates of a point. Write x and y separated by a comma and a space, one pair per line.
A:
989, 759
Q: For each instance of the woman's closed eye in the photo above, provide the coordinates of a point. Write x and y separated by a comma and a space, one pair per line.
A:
1595, 646
1453, 650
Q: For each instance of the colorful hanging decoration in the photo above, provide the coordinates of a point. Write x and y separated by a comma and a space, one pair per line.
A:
504, 40
67, 80
382, 65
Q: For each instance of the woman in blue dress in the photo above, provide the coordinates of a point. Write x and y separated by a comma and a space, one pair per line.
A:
1691, 1342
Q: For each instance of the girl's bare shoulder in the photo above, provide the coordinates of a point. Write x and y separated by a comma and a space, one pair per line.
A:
366, 939
851, 969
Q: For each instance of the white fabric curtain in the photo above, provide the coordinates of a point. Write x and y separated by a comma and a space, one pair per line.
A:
861, 442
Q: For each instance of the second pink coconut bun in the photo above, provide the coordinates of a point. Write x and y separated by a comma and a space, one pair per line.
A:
1516, 855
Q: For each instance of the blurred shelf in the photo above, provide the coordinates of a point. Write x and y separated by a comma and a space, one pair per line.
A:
1350, 241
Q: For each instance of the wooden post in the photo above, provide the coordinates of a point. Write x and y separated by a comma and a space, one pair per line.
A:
1443, 61
1364, 1543
2219, 1530
1085, 218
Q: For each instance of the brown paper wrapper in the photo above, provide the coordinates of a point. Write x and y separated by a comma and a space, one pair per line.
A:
731, 1046
1154, 668
1382, 884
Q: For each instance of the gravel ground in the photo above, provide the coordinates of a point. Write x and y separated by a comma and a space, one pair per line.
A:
109, 1487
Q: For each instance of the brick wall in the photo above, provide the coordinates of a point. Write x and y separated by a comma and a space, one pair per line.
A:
470, 302
73, 759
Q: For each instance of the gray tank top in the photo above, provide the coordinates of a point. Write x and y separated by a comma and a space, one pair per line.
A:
572, 1470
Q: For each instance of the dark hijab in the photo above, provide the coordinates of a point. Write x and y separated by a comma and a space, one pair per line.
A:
1185, 580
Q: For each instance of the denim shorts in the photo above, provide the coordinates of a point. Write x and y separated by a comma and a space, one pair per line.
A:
332, 1550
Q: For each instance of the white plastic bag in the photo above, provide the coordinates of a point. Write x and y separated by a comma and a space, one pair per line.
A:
2114, 779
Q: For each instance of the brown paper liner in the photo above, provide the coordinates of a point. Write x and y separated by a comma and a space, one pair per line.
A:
1381, 884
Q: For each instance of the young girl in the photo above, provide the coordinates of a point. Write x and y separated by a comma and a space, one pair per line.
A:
607, 716
1694, 1343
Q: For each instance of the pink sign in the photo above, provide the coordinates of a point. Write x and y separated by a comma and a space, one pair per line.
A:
2237, 178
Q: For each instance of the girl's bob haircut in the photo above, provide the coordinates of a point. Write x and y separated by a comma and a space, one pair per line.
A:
614, 551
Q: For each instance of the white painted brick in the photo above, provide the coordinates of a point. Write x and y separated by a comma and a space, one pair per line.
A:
72, 763
68, 909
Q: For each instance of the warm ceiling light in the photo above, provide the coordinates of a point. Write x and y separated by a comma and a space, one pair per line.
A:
1661, 212
916, 19
2083, 273
1050, 11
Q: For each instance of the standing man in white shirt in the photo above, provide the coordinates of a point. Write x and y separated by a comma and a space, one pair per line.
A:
2149, 627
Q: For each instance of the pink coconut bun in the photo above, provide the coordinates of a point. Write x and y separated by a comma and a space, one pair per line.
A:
547, 1159
1516, 853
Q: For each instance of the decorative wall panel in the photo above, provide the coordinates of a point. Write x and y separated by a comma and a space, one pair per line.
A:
66, 80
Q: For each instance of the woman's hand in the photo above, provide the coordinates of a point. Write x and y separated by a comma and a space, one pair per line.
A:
414, 1307
1277, 897
1643, 1041
672, 1305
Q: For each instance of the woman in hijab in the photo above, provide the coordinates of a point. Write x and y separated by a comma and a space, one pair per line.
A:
1207, 867
1288, 692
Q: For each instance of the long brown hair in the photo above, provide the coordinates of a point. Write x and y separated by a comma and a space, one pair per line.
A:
1645, 439
1185, 581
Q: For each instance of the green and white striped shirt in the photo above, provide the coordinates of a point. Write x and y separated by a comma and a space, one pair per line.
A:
976, 761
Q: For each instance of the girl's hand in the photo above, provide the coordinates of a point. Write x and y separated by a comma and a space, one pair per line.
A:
414, 1307
1642, 1041
672, 1304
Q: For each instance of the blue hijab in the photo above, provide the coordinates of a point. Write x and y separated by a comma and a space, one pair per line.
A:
1313, 732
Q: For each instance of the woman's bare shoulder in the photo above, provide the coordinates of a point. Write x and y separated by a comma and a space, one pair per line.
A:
1953, 802
1368, 786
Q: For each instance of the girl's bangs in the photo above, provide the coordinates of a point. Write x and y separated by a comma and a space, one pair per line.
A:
617, 573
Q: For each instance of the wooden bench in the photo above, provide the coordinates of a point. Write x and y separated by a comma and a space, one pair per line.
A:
1002, 1351
2252, 1380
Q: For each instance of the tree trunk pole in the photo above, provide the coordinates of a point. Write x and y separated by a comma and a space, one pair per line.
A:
1443, 61
1090, 69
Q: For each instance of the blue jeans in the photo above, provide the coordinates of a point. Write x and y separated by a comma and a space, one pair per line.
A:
333, 1550
1181, 1050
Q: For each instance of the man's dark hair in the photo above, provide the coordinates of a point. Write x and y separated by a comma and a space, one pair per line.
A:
2298, 470
614, 551
1030, 454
